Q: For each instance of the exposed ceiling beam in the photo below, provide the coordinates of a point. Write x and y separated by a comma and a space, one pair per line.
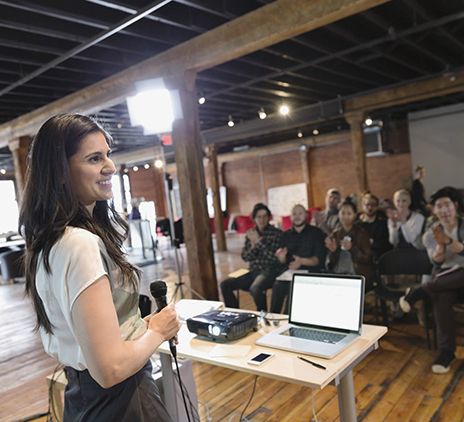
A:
259, 29
87, 44
417, 91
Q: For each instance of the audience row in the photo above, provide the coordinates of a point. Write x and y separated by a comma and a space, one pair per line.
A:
339, 240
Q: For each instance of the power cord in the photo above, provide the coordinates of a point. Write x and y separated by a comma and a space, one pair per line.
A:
314, 411
51, 403
51, 400
208, 417
249, 401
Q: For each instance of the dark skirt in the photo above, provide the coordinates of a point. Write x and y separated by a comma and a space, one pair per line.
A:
134, 400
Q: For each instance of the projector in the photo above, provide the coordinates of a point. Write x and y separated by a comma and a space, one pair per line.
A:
223, 325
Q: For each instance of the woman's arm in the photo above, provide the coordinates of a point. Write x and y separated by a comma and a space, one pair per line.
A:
109, 359
413, 227
393, 232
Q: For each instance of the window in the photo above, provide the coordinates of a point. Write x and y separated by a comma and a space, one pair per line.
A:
10, 211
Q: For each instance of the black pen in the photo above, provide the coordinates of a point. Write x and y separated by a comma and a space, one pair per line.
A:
312, 363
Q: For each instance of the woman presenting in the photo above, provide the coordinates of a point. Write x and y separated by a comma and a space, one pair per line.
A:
84, 291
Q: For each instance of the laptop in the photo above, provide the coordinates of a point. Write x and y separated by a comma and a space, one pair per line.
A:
325, 315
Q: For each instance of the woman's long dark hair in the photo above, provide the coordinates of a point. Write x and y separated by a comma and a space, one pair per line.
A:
49, 204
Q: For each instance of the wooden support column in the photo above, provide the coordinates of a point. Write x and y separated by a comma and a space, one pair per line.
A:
355, 120
218, 215
304, 155
191, 176
161, 205
19, 149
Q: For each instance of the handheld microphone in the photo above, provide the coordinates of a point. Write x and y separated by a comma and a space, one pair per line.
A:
158, 290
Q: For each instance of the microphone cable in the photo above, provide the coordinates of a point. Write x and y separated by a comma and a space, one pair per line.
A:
180, 383
193, 410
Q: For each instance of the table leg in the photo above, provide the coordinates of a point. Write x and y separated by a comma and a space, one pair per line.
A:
169, 385
346, 398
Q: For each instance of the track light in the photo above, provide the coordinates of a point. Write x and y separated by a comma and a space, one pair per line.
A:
135, 168
231, 122
147, 166
315, 132
284, 109
262, 114
300, 134
158, 164
3, 171
368, 121
201, 100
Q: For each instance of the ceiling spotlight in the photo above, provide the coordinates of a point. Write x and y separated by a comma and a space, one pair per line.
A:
126, 170
158, 164
231, 122
147, 166
3, 171
284, 109
315, 132
119, 125
135, 168
368, 121
262, 114
300, 134
201, 100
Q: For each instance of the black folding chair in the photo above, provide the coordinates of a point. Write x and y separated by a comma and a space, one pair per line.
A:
411, 262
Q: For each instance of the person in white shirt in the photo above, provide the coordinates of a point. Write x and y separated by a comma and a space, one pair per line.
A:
84, 291
404, 226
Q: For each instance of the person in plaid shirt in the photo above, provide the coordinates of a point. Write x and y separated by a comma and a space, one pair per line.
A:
261, 244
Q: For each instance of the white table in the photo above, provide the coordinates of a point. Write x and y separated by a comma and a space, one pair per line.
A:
284, 367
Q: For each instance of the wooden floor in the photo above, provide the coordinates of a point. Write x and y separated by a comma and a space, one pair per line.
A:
392, 384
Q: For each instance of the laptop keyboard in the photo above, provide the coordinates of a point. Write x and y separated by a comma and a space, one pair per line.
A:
308, 334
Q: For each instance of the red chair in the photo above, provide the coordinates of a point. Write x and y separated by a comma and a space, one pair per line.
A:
286, 223
310, 213
226, 224
243, 223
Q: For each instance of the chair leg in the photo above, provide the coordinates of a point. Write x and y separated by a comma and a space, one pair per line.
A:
429, 325
383, 306
376, 311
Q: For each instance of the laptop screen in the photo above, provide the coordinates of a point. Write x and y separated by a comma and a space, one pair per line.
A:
329, 301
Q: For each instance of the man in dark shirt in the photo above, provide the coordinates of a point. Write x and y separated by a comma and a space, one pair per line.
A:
261, 244
375, 222
303, 248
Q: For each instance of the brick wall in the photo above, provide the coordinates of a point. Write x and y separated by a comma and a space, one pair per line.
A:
142, 183
331, 166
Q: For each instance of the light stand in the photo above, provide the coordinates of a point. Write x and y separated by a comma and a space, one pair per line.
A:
180, 284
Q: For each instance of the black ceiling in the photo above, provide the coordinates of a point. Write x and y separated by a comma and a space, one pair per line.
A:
41, 59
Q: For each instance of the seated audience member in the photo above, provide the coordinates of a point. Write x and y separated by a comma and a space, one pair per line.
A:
303, 248
261, 244
444, 244
405, 226
328, 220
135, 214
349, 246
374, 221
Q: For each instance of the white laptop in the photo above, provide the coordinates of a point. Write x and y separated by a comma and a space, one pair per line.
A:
326, 313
